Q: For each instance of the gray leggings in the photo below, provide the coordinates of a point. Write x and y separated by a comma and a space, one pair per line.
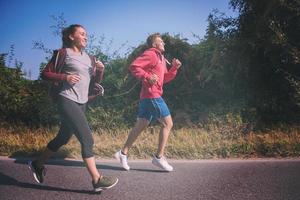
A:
73, 121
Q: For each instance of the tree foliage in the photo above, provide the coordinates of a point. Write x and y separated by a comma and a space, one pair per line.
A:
246, 66
268, 45
22, 100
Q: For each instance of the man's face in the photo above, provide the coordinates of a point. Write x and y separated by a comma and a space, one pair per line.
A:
159, 44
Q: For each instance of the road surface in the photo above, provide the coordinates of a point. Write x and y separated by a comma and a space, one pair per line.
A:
268, 179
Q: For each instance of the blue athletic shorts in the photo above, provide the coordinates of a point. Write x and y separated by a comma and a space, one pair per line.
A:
153, 109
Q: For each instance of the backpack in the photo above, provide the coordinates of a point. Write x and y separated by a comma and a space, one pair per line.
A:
56, 64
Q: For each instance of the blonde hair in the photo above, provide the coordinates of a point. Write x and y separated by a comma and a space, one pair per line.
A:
151, 38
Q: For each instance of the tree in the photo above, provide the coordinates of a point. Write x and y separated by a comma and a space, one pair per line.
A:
269, 50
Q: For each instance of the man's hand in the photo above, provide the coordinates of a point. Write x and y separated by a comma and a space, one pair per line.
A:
176, 62
153, 79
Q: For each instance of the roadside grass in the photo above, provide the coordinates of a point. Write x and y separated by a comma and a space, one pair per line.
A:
184, 143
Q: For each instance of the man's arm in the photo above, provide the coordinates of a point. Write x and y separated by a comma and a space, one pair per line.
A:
170, 75
139, 66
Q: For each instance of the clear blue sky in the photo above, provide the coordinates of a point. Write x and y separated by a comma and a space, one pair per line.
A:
123, 21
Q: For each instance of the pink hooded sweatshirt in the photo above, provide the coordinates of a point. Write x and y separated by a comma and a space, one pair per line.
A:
151, 62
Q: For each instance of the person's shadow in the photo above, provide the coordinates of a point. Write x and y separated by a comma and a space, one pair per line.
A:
73, 163
7, 180
78, 163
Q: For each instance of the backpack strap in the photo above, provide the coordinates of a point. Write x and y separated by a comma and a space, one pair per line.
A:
60, 60
97, 74
52, 70
93, 63
95, 89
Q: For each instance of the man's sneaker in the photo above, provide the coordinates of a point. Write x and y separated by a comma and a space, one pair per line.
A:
38, 172
122, 159
105, 182
162, 163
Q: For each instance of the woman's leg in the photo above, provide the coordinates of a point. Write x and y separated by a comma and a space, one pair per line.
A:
63, 136
74, 114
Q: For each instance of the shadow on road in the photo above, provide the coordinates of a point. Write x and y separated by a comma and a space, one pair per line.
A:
7, 180
73, 163
78, 163
148, 170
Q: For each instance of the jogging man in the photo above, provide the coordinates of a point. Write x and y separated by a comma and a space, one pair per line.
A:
151, 69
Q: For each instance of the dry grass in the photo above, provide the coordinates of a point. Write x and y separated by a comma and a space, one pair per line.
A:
185, 143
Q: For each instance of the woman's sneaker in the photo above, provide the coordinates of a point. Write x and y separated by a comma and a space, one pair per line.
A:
105, 182
162, 163
122, 159
38, 172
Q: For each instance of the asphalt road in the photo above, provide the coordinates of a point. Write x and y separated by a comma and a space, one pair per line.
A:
196, 180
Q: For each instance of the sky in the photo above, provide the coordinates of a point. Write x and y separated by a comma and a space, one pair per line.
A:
126, 22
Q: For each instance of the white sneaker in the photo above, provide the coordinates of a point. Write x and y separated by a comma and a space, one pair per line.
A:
122, 159
162, 163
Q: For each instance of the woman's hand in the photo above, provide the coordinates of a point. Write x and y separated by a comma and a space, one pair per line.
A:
99, 65
73, 78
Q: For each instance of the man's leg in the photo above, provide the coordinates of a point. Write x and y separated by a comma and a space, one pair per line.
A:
159, 160
140, 125
121, 155
167, 124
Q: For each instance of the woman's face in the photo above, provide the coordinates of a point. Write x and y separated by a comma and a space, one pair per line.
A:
79, 38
